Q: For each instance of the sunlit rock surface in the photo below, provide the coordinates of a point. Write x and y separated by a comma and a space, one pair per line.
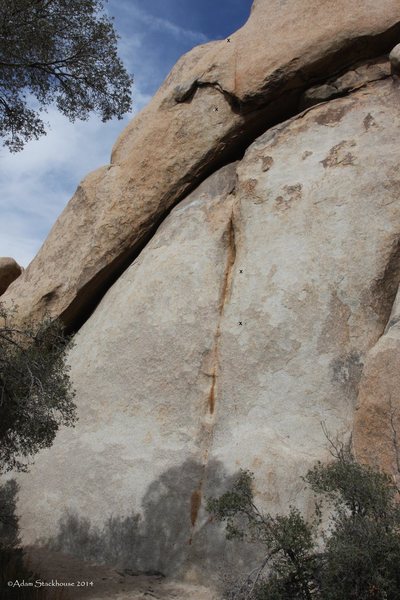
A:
216, 100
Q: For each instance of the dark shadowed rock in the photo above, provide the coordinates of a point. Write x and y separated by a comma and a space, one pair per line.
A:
9, 271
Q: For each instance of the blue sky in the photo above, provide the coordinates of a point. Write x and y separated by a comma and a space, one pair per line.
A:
36, 183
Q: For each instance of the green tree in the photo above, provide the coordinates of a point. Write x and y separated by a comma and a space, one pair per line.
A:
352, 553
62, 52
36, 395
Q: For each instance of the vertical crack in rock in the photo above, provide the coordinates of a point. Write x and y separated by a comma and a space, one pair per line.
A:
226, 287
210, 417
211, 397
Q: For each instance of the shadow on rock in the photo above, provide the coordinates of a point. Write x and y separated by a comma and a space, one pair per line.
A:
12, 558
168, 537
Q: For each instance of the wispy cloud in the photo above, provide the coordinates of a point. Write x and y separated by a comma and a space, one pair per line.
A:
36, 183
162, 25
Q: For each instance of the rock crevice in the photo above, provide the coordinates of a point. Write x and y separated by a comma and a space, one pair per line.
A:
186, 94
210, 417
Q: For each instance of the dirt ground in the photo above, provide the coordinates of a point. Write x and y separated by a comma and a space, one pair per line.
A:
108, 583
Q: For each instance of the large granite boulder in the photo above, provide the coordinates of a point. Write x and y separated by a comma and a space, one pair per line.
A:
217, 99
239, 331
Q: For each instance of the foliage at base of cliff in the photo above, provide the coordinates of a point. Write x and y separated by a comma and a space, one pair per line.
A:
354, 554
36, 394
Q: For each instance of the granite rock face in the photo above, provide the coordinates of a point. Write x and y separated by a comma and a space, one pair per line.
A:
376, 433
233, 276
216, 100
243, 325
9, 271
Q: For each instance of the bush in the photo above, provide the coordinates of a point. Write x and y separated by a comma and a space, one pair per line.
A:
354, 556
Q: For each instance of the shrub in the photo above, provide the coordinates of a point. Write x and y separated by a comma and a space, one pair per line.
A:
354, 555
